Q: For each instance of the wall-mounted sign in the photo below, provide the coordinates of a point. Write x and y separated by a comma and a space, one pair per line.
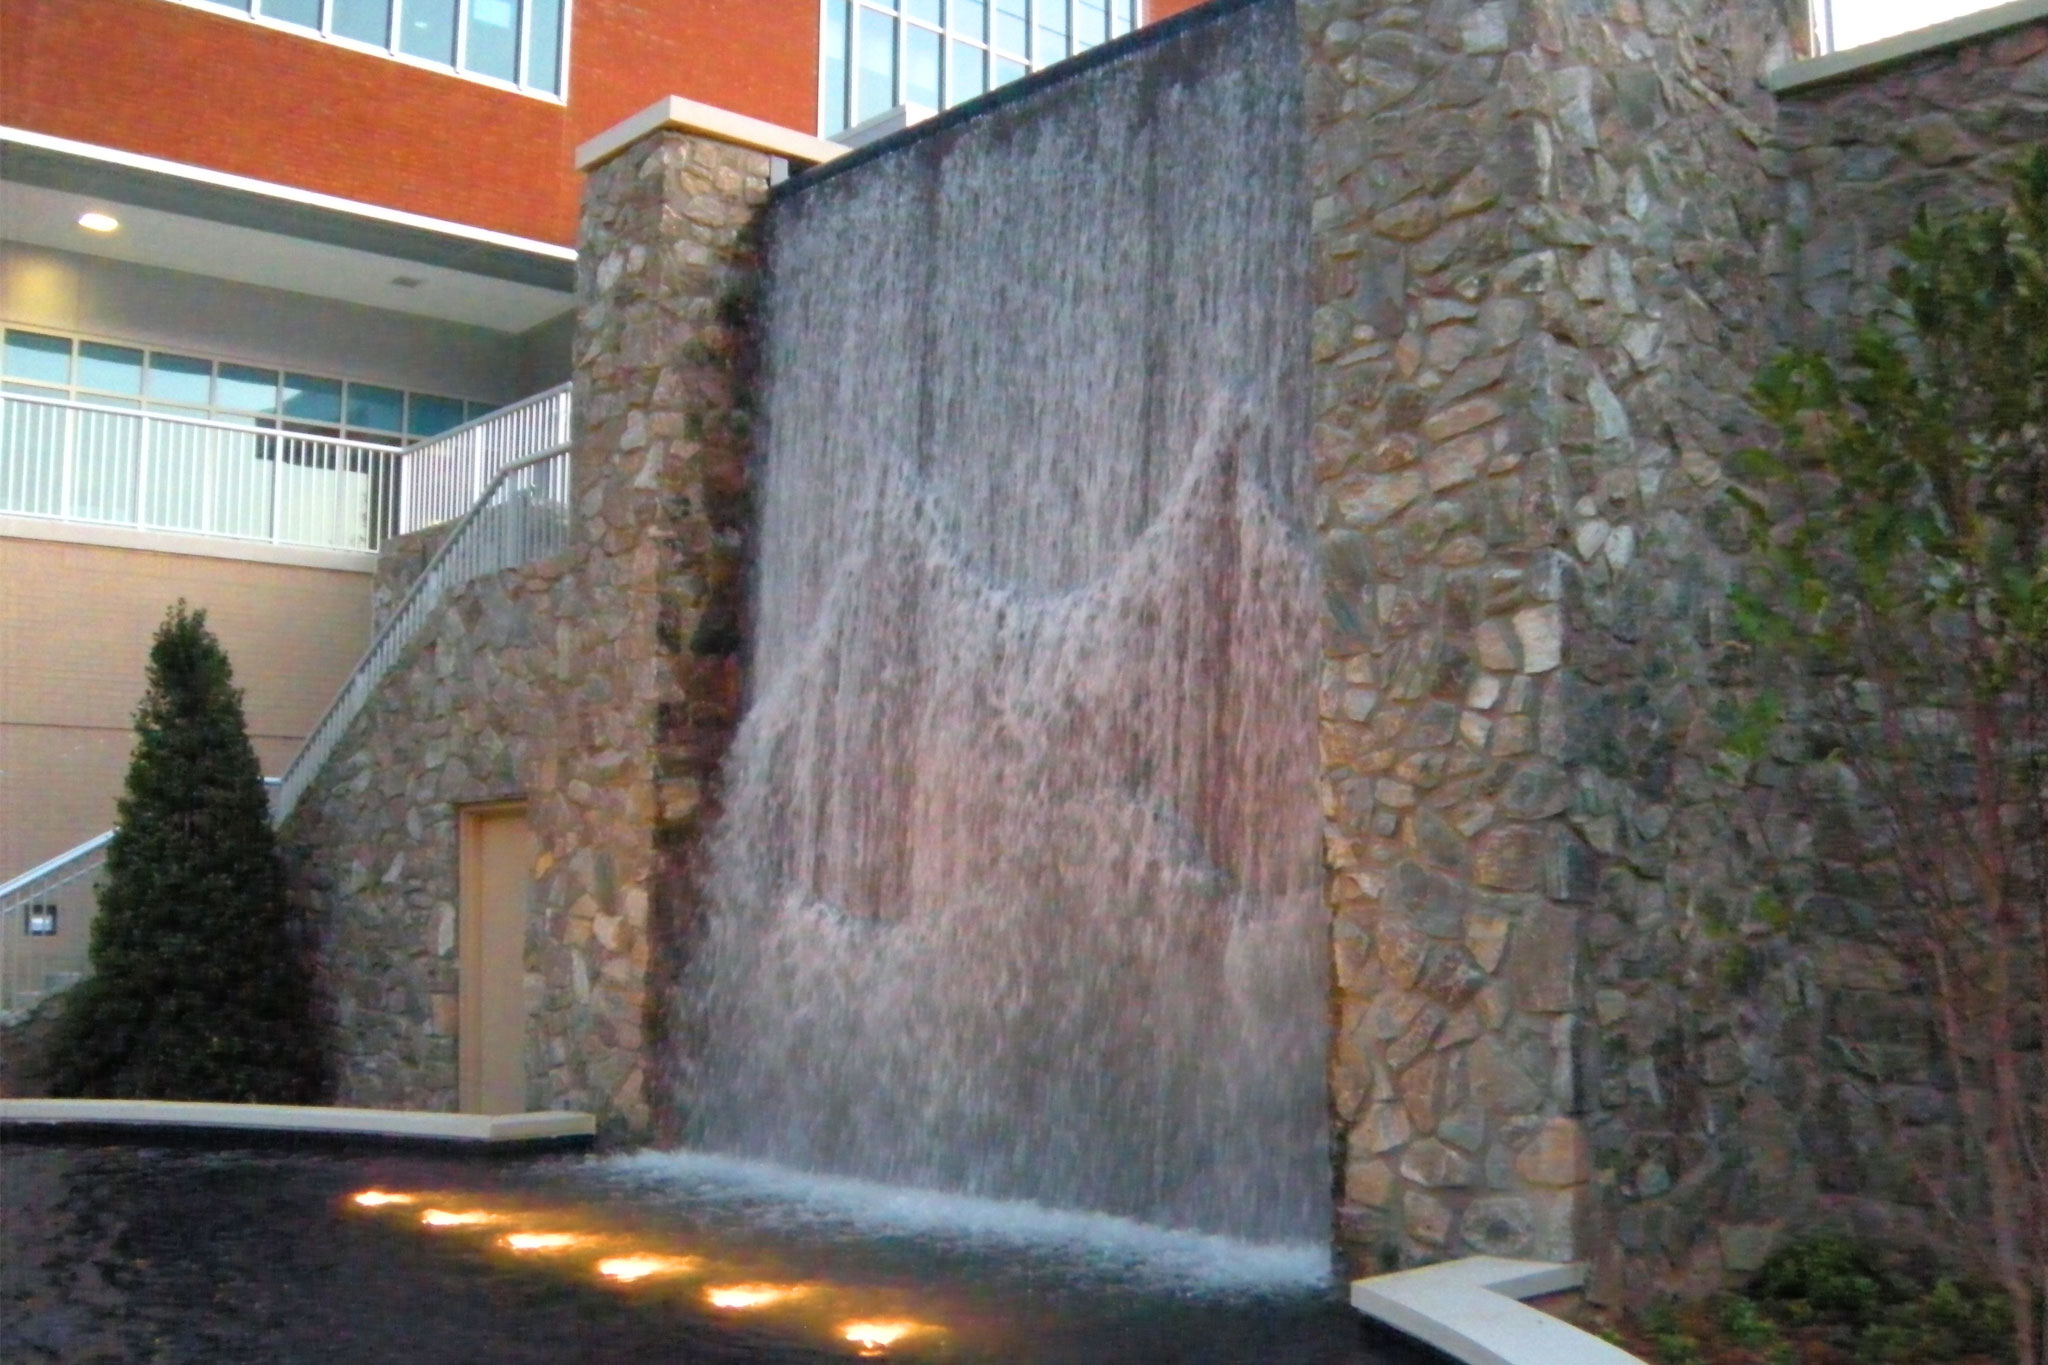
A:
42, 921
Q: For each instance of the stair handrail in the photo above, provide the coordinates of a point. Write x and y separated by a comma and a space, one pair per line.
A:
22, 886
398, 630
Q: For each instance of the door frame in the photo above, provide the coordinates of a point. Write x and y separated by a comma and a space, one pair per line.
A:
469, 930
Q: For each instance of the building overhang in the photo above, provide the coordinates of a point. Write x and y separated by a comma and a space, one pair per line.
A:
187, 218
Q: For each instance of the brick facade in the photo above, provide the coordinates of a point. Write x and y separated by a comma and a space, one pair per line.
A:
217, 91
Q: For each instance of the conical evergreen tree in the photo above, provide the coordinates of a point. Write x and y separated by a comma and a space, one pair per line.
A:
197, 990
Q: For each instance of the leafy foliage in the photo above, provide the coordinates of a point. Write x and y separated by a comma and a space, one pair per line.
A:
1901, 579
197, 990
1829, 1300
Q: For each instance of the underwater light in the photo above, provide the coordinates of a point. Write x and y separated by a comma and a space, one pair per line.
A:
750, 1295
626, 1269
542, 1241
377, 1199
874, 1337
442, 1218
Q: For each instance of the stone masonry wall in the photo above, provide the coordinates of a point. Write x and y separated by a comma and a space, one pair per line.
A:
1554, 242
1863, 155
1860, 157
1541, 241
594, 686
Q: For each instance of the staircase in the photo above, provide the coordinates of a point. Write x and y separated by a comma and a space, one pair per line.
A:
519, 514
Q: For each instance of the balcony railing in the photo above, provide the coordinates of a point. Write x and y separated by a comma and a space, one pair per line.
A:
444, 477
154, 471
522, 516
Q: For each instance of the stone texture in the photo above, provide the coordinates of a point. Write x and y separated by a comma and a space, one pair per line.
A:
599, 686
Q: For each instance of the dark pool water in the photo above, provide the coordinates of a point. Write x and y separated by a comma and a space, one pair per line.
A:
142, 1254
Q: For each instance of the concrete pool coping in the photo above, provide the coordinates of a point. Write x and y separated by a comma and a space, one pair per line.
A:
1470, 1310
131, 1119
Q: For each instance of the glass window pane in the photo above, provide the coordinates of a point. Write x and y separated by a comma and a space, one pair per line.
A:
1121, 17
493, 45
970, 20
1005, 71
370, 406
312, 399
921, 67
426, 28
1012, 32
877, 65
366, 21
1091, 23
241, 5
1052, 46
110, 369
430, 416
180, 379
31, 355
836, 23
246, 389
927, 10
544, 45
35, 391
965, 78
305, 12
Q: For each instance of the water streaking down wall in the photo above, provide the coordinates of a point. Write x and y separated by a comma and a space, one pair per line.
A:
1018, 886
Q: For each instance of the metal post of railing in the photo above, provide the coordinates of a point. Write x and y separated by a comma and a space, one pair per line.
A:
277, 443
66, 474
143, 447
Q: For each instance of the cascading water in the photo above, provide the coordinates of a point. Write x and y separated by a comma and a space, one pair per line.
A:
1017, 887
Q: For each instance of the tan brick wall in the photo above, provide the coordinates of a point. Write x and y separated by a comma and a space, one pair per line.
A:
75, 627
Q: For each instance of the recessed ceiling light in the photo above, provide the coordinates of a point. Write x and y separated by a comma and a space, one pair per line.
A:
99, 222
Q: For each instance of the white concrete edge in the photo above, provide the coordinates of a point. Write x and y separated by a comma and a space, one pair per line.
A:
706, 120
1468, 1309
177, 543
1853, 60
487, 1129
270, 189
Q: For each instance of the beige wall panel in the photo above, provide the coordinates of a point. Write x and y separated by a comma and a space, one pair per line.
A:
75, 627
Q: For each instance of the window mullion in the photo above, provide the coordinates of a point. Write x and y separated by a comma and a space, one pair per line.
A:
522, 44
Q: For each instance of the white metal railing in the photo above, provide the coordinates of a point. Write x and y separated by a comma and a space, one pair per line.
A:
522, 516
46, 925
154, 471
444, 477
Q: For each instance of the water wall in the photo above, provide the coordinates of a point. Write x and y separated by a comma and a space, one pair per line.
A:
1017, 890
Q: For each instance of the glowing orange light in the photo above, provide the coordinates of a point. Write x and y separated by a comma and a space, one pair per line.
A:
377, 1199
542, 1241
750, 1295
626, 1269
442, 1218
875, 1337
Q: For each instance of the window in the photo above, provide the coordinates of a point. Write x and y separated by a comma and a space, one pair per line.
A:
41, 921
882, 53
1841, 24
518, 42
109, 375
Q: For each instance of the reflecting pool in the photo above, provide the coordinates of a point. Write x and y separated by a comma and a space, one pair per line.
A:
176, 1254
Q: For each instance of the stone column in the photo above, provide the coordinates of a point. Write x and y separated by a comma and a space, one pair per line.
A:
663, 358
1537, 255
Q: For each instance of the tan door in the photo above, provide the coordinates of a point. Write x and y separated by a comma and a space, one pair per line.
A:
497, 898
